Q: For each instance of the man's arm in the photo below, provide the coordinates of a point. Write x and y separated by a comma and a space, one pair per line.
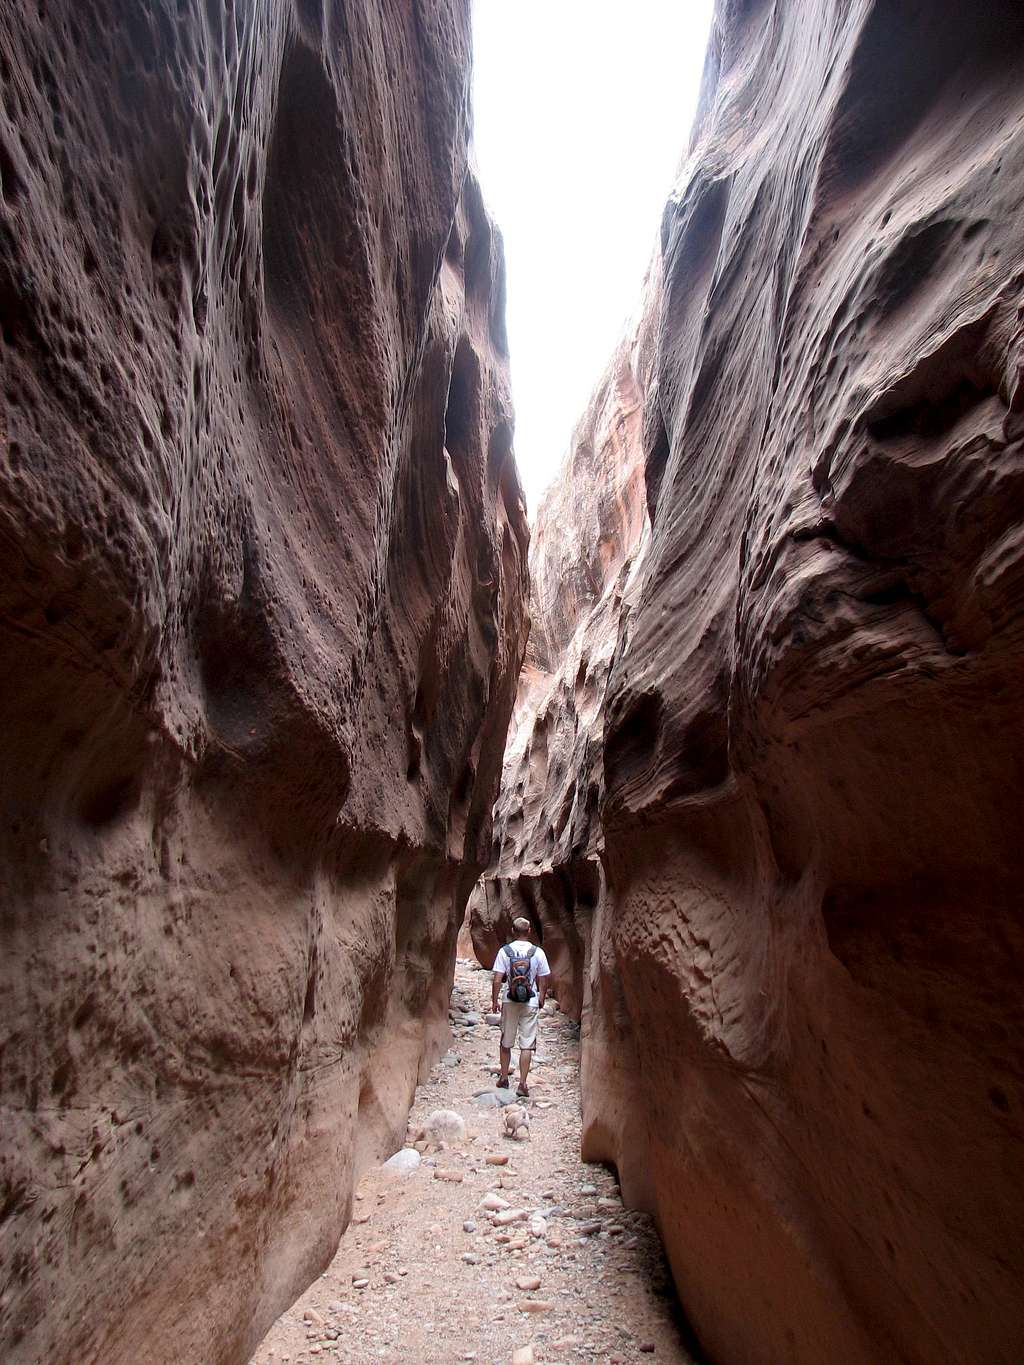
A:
497, 977
542, 989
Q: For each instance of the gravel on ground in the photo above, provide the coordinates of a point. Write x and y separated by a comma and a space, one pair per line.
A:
556, 1270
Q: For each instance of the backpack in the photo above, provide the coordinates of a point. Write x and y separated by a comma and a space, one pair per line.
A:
520, 987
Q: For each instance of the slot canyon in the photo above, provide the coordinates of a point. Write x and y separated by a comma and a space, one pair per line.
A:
299, 709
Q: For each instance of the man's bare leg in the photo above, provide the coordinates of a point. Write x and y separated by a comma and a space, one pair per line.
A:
525, 1058
505, 1056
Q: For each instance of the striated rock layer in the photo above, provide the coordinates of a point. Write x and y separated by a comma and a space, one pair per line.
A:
802, 971
263, 608
592, 528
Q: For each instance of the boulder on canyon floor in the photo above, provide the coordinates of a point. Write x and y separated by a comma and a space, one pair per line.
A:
803, 965
263, 610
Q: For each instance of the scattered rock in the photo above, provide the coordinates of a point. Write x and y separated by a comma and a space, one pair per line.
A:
404, 1162
523, 1355
509, 1216
452, 1177
494, 1098
521, 1249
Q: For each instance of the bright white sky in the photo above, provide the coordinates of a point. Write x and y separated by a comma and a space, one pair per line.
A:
583, 111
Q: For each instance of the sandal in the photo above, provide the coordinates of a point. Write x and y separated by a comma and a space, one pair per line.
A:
502, 1082
523, 1089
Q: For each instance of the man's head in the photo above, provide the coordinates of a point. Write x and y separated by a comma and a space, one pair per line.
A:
522, 926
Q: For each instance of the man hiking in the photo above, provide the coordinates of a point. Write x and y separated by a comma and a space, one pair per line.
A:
524, 969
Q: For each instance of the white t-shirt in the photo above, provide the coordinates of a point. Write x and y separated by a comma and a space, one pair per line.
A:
538, 964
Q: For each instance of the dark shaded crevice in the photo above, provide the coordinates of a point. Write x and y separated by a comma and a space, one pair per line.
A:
631, 740
890, 589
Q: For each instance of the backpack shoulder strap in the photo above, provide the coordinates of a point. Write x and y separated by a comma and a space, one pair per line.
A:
532, 950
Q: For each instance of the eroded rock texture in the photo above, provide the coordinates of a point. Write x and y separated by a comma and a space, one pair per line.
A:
802, 1007
263, 609
592, 530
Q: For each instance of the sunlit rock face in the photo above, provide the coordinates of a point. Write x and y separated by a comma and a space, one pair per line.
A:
264, 607
802, 995
588, 545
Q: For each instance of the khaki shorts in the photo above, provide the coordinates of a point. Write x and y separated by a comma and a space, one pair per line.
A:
518, 1020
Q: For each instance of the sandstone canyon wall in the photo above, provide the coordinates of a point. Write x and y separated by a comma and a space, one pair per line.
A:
801, 969
592, 528
263, 610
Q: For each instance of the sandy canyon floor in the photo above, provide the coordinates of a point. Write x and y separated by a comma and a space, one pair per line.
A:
422, 1275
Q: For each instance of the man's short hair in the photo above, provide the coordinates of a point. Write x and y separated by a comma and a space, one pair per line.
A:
521, 922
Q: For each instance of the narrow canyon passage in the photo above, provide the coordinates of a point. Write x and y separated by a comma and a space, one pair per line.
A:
293, 689
421, 1275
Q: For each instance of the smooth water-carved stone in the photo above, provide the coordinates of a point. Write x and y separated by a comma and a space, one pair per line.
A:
263, 582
